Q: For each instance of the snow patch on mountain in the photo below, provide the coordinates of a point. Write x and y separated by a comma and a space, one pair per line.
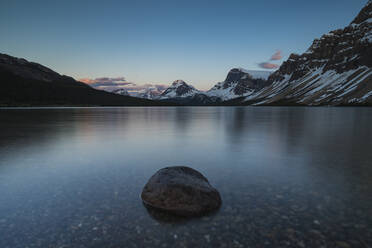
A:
317, 88
225, 93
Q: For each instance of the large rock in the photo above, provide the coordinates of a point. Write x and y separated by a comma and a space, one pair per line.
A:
182, 191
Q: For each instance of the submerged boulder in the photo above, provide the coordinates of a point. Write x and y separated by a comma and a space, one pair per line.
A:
182, 191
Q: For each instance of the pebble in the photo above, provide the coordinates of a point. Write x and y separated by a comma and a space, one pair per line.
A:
301, 244
342, 244
207, 237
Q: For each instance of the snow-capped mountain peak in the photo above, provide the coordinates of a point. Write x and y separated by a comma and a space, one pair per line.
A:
148, 93
179, 82
179, 89
239, 82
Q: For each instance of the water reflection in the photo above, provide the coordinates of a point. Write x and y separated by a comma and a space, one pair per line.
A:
72, 177
166, 218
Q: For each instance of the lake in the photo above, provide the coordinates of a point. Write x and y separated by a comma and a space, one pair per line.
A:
288, 177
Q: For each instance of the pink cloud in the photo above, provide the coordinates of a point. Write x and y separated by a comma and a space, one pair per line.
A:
86, 80
111, 84
277, 56
105, 81
267, 65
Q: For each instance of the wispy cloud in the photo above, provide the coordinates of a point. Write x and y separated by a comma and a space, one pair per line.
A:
267, 65
114, 83
105, 81
136, 87
277, 56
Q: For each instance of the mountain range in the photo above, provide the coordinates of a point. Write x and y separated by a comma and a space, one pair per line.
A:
335, 70
239, 82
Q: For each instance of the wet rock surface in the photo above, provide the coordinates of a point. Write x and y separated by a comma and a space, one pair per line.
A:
181, 191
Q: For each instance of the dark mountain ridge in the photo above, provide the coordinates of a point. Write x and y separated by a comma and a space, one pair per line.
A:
26, 83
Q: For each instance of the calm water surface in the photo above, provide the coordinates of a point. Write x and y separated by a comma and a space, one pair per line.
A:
288, 177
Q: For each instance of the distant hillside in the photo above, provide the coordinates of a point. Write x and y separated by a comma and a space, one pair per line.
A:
26, 83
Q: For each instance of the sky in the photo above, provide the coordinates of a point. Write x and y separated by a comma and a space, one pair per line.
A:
157, 42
